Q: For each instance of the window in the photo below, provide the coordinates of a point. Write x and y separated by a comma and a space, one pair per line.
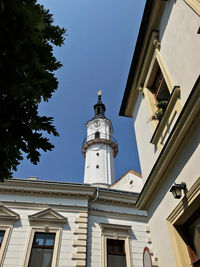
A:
115, 244
162, 98
159, 88
42, 250
191, 232
97, 166
44, 240
97, 154
184, 228
2, 233
116, 253
97, 135
7, 219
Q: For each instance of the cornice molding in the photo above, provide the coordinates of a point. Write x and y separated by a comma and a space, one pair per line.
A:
118, 215
186, 119
84, 192
150, 22
47, 215
186, 202
32, 205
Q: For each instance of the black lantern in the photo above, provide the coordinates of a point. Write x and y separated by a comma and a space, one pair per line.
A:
176, 189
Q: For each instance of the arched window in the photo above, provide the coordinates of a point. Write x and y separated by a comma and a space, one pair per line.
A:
97, 135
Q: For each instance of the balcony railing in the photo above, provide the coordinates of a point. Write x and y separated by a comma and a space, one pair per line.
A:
101, 136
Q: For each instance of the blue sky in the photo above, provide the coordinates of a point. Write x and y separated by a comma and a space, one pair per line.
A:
97, 53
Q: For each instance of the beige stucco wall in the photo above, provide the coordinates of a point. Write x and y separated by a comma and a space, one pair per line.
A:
180, 44
143, 132
180, 54
184, 168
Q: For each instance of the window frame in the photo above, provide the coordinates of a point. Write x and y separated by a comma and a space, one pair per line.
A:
117, 232
173, 108
4, 245
194, 4
181, 213
8, 218
56, 247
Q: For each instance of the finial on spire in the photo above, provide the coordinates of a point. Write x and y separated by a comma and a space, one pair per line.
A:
99, 93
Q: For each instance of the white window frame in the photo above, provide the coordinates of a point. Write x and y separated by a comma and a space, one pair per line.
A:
56, 247
5, 241
7, 219
117, 232
45, 221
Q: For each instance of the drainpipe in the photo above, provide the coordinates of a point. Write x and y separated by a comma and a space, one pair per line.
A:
96, 197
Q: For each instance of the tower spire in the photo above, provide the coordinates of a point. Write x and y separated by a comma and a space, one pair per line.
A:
99, 107
99, 148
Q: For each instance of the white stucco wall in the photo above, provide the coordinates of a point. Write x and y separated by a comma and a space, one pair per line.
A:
100, 155
129, 182
20, 236
138, 235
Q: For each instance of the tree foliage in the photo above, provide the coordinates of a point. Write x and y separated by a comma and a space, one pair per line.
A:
27, 67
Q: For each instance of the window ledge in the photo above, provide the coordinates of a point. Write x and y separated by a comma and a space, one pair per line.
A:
161, 125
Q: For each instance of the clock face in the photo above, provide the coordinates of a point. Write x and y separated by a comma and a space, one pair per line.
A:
97, 124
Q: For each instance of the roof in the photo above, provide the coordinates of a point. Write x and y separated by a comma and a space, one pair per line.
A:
138, 47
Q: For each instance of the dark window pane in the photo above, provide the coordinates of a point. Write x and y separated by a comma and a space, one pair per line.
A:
159, 88
2, 232
115, 247
42, 250
116, 261
97, 135
116, 256
40, 257
44, 239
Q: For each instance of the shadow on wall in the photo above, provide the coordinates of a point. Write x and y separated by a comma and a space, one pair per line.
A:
188, 147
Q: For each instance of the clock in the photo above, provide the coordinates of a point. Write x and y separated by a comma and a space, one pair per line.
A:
97, 124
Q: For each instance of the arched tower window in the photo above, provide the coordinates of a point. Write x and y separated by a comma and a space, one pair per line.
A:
97, 135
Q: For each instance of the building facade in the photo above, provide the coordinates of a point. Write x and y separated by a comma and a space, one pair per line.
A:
95, 224
65, 224
162, 96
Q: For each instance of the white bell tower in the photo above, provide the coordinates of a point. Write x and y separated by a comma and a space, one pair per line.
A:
99, 148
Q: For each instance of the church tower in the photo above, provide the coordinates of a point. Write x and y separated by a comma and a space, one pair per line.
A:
99, 148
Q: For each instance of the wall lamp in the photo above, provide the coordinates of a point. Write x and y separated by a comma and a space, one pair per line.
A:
176, 189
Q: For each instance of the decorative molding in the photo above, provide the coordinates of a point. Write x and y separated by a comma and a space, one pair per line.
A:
81, 242
39, 206
7, 214
48, 216
194, 4
118, 215
115, 226
156, 43
115, 231
141, 90
187, 119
